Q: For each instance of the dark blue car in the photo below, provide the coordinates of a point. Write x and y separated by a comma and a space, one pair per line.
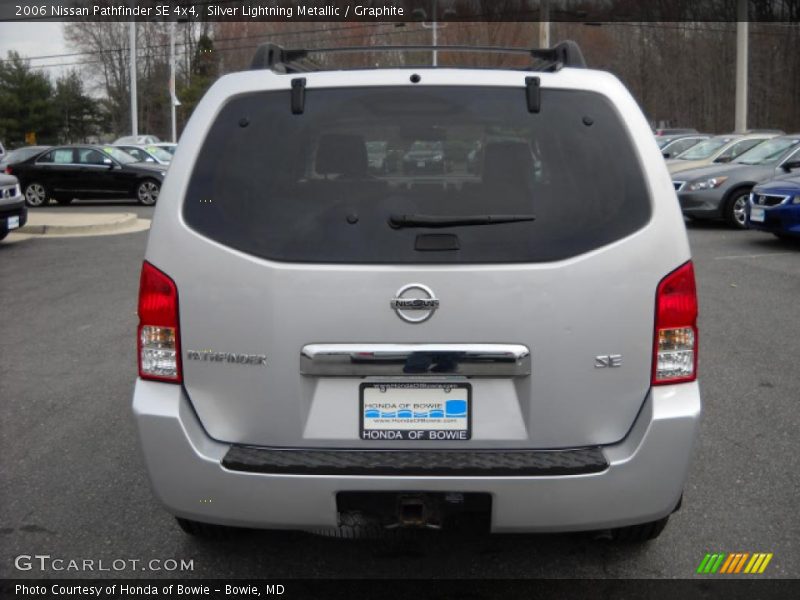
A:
774, 206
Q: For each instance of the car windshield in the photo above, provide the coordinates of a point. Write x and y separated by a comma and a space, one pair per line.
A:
704, 150
119, 155
21, 154
159, 153
767, 152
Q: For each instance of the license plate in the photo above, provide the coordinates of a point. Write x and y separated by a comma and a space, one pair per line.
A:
420, 163
13, 222
757, 215
415, 411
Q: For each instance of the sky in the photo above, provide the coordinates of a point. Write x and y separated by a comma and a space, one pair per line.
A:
35, 39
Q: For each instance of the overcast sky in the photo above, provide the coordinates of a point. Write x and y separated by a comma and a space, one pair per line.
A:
35, 39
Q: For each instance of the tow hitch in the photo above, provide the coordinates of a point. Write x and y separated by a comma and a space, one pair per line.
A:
377, 514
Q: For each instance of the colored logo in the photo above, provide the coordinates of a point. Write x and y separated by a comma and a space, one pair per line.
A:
735, 563
452, 409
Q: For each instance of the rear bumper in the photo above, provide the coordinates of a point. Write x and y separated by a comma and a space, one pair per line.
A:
643, 481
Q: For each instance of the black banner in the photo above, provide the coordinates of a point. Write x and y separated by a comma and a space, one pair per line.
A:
219, 589
401, 10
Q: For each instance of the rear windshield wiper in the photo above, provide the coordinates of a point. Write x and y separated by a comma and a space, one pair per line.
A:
398, 221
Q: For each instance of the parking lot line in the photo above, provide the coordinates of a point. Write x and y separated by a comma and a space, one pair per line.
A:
735, 256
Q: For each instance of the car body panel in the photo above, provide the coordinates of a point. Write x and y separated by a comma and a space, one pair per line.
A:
283, 289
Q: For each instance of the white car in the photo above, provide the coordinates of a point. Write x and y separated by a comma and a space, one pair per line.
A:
137, 140
168, 146
330, 345
147, 153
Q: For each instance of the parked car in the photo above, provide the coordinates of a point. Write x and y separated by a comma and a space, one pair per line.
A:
13, 212
774, 206
674, 131
137, 140
168, 146
323, 349
672, 145
67, 172
718, 149
722, 191
149, 154
376, 157
19, 155
424, 156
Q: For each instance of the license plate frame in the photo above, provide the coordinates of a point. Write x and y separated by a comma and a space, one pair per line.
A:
453, 424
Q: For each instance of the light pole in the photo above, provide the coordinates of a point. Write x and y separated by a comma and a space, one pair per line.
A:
434, 27
134, 108
544, 24
740, 120
173, 99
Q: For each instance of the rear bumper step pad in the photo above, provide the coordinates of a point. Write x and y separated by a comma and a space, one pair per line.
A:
456, 463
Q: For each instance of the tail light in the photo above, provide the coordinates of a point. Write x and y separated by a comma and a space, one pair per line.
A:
159, 339
675, 349
8, 171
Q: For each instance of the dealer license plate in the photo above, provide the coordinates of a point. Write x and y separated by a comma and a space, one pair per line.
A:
415, 411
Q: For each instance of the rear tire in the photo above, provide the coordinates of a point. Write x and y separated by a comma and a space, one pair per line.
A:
206, 531
736, 208
36, 194
637, 534
147, 192
3, 235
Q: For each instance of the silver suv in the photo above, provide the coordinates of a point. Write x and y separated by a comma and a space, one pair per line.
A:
331, 344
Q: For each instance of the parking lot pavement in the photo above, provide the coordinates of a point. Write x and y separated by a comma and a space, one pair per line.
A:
73, 485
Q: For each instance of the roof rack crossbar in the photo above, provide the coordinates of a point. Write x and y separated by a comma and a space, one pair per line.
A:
296, 60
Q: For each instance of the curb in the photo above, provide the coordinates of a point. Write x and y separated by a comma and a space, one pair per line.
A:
119, 221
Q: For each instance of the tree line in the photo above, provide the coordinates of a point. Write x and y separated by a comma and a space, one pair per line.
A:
34, 107
681, 73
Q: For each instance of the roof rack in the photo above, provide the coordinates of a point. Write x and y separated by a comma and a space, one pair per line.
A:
296, 60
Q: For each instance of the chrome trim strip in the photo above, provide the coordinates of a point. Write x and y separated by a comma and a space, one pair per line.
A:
472, 360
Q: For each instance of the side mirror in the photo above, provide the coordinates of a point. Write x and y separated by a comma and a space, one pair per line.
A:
666, 154
108, 163
148, 159
788, 166
724, 159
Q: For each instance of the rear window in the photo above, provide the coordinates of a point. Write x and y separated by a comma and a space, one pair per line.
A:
321, 186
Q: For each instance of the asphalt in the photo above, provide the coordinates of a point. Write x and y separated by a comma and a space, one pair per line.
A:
73, 486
